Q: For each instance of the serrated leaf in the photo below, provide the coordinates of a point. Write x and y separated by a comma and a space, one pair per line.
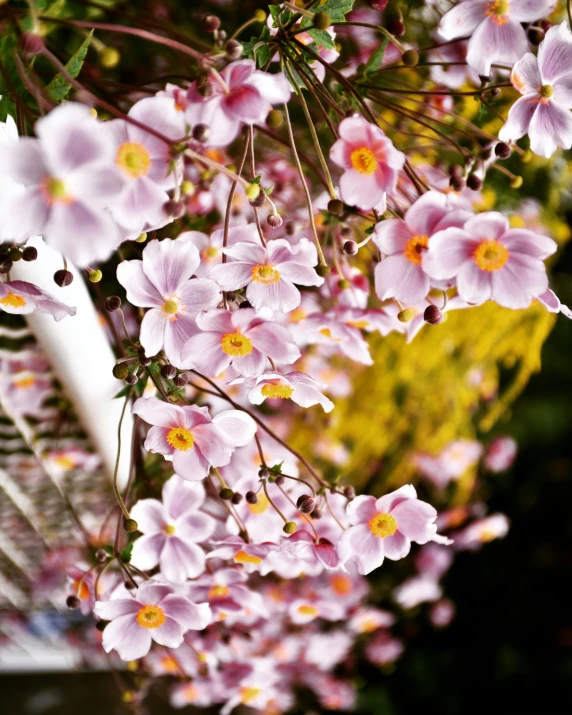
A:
336, 9
322, 38
257, 48
277, 468
376, 58
59, 87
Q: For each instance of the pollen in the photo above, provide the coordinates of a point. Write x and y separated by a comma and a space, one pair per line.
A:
180, 438
359, 324
307, 610
25, 382
363, 160
247, 695
151, 616
170, 307
218, 592
54, 191
498, 11
236, 345
65, 461
265, 274
81, 588
241, 557
210, 254
169, 665
133, 159
169, 530
382, 525
414, 248
341, 584
491, 256
13, 300
546, 91
277, 391
260, 507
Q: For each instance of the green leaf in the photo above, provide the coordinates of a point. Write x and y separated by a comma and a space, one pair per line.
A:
376, 58
257, 48
322, 38
277, 468
59, 87
125, 554
336, 9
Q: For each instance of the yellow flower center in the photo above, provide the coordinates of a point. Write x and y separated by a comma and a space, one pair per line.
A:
13, 300
307, 610
265, 274
414, 248
81, 589
218, 592
65, 461
249, 694
180, 438
191, 693
54, 191
169, 530
241, 557
25, 382
210, 254
382, 525
498, 11
261, 505
491, 256
363, 160
546, 91
236, 345
151, 616
169, 664
341, 584
170, 307
487, 534
133, 159
359, 324
277, 392
368, 625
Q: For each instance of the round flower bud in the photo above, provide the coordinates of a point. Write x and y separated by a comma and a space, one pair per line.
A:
502, 150
63, 278
130, 379
526, 158
129, 585
457, 183
6, 266
120, 371
350, 248
305, 504
95, 276
349, 492
535, 35
230, 296
456, 170
211, 23
474, 182
335, 206
289, 527
100, 625
112, 303
31, 43
396, 28
263, 473
73, 602
323, 271
252, 191
109, 57
130, 525
343, 284
317, 513
378, 5
173, 209
279, 480
144, 360
201, 133
274, 118
404, 316
181, 379
226, 494
14, 254
516, 183
322, 21
432, 315
236, 498
233, 50
141, 238
274, 220
30, 253
259, 200
168, 371
251, 497
101, 555
410, 58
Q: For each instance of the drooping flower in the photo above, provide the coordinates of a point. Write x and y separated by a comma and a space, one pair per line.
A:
239, 95
171, 531
191, 437
371, 162
295, 386
145, 162
270, 273
68, 180
161, 281
23, 298
302, 545
403, 241
155, 613
495, 29
385, 528
491, 261
241, 338
543, 112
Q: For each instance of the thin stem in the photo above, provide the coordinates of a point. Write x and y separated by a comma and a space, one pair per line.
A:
115, 471
272, 504
306, 519
253, 171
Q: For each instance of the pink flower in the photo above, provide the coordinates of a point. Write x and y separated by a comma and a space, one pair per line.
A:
189, 435
451, 463
494, 27
82, 585
416, 590
303, 546
491, 261
385, 528
543, 112
22, 298
68, 180
210, 247
239, 95
400, 274
500, 454
371, 162
145, 163
269, 272
482, 531
161, 282
154, 613
295, 386
240, 338
172, 530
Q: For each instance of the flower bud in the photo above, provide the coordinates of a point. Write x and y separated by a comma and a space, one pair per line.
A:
378, 5
101, 555
5, 264
168, 372
535, 35
274, 220
260, 15
109, 57
274, 118
226, 494
432, 315
95, 276
474, 182
130, 379
233, 50
129, 585
130, 525
14, 254
502, 150
349, 492
100, 625
279, 480
63, 278
335, 206
31, 43
317, 513
30, 253
322, 270
181, 379
173, 209
396, 28
305, 504
289, 527
251, 497
211, 23
410, 58
322, 21
259, 200
516, 182
406, 315
263, 472
350, 248
141, 238
73, 602
144, 360
201, 133
457, 183
120, 370
236, 498
343, 284
252, 191
112, 303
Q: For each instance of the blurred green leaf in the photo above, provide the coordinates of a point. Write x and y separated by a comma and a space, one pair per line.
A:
59, 87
